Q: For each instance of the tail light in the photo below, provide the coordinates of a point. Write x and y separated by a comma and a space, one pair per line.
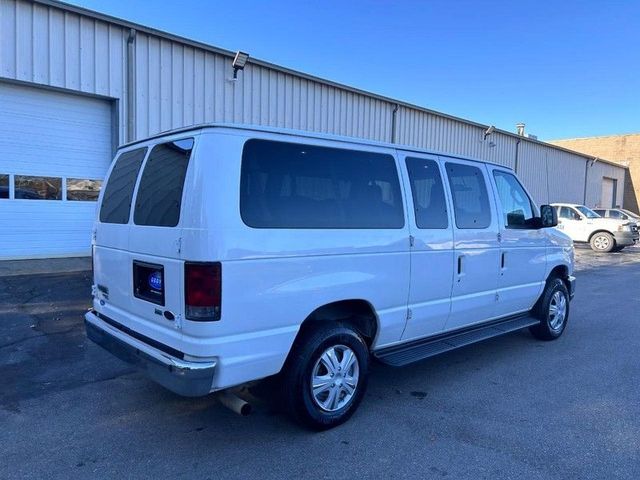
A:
202, 291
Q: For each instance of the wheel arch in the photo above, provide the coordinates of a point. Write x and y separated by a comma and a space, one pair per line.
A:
355, 312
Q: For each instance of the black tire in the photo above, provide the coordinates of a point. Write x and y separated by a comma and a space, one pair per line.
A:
548, 328
602, 242
297, 375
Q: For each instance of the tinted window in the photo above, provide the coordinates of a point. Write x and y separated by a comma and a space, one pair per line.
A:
82, 189
428, 193
160, 193
287, 185
602, 213
516, 205
4, 186
614, 214
116, 201
38, 188
470, 198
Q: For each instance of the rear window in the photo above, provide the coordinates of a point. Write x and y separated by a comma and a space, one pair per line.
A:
159, 196
118, 194
288, 185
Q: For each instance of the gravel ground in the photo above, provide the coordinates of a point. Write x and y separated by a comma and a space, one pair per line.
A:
511, 407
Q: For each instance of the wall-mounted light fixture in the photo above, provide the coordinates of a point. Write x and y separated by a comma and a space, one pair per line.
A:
239, 61
488, 132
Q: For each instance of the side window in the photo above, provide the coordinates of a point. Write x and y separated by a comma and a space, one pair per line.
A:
160, 193
470, 197
4, 186
568, 213
615, 214
428, 193
289, 185
118, 194
516, 205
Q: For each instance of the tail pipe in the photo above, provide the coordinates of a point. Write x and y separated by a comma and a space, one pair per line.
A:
235, 403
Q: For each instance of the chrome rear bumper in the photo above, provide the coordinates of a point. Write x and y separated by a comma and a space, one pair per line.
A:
191, 379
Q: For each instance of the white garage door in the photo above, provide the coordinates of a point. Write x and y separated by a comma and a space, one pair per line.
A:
55, 149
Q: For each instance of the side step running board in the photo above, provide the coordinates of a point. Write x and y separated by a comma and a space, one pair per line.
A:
399, 355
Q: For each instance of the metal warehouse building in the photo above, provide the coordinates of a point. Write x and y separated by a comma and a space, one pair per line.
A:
74, 84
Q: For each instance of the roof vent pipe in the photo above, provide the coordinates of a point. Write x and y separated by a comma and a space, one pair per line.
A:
520, 129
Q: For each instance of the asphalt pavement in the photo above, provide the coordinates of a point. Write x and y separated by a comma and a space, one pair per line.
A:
511, 407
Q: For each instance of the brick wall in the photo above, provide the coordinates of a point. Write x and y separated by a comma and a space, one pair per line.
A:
624, 149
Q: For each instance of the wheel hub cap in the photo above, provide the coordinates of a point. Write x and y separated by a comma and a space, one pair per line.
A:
601, 243
334, 378
557, 310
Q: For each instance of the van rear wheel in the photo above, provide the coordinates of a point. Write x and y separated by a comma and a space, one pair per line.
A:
325, 376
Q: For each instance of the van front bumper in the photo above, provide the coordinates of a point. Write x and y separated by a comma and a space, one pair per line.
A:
187, 378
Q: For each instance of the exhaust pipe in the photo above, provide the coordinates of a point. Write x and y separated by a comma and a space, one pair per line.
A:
235, 403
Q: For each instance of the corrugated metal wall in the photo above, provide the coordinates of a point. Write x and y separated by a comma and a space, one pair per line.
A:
595, 174
60, 49
178, 84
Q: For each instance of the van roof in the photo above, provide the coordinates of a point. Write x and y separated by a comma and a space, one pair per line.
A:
305, 134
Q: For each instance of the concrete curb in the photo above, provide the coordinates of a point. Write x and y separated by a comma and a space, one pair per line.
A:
12, 268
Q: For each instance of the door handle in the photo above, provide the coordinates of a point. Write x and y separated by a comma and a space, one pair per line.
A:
460, 266
502, 258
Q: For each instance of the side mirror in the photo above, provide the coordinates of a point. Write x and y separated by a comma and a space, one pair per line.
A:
549, 216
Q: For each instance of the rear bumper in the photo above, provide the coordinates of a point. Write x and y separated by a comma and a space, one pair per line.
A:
571, 286
191, 379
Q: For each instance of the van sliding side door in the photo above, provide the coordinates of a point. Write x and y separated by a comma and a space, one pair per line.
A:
432, 245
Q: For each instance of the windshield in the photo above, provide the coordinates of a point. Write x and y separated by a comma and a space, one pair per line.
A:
587, 212
630, 213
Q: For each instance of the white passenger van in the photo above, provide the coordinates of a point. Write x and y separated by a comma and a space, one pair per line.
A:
227, 254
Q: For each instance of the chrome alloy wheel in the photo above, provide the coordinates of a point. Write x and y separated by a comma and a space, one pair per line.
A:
601, 242
334, 378
557, 310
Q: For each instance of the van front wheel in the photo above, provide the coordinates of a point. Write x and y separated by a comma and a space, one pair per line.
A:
553, 311
325, 376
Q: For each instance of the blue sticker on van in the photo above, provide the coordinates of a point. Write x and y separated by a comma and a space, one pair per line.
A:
155, 280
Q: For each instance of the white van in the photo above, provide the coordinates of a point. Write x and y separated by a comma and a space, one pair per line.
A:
227, 254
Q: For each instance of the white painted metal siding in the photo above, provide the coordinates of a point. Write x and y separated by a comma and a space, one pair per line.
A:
55, 47
178, 82
47, 133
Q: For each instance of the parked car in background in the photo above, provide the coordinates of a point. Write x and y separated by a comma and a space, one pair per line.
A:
603, 234
619, 213
224, 255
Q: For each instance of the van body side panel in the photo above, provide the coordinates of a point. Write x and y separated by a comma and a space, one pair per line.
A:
274, 278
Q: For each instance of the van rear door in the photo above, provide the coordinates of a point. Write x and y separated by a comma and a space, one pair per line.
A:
138, 271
